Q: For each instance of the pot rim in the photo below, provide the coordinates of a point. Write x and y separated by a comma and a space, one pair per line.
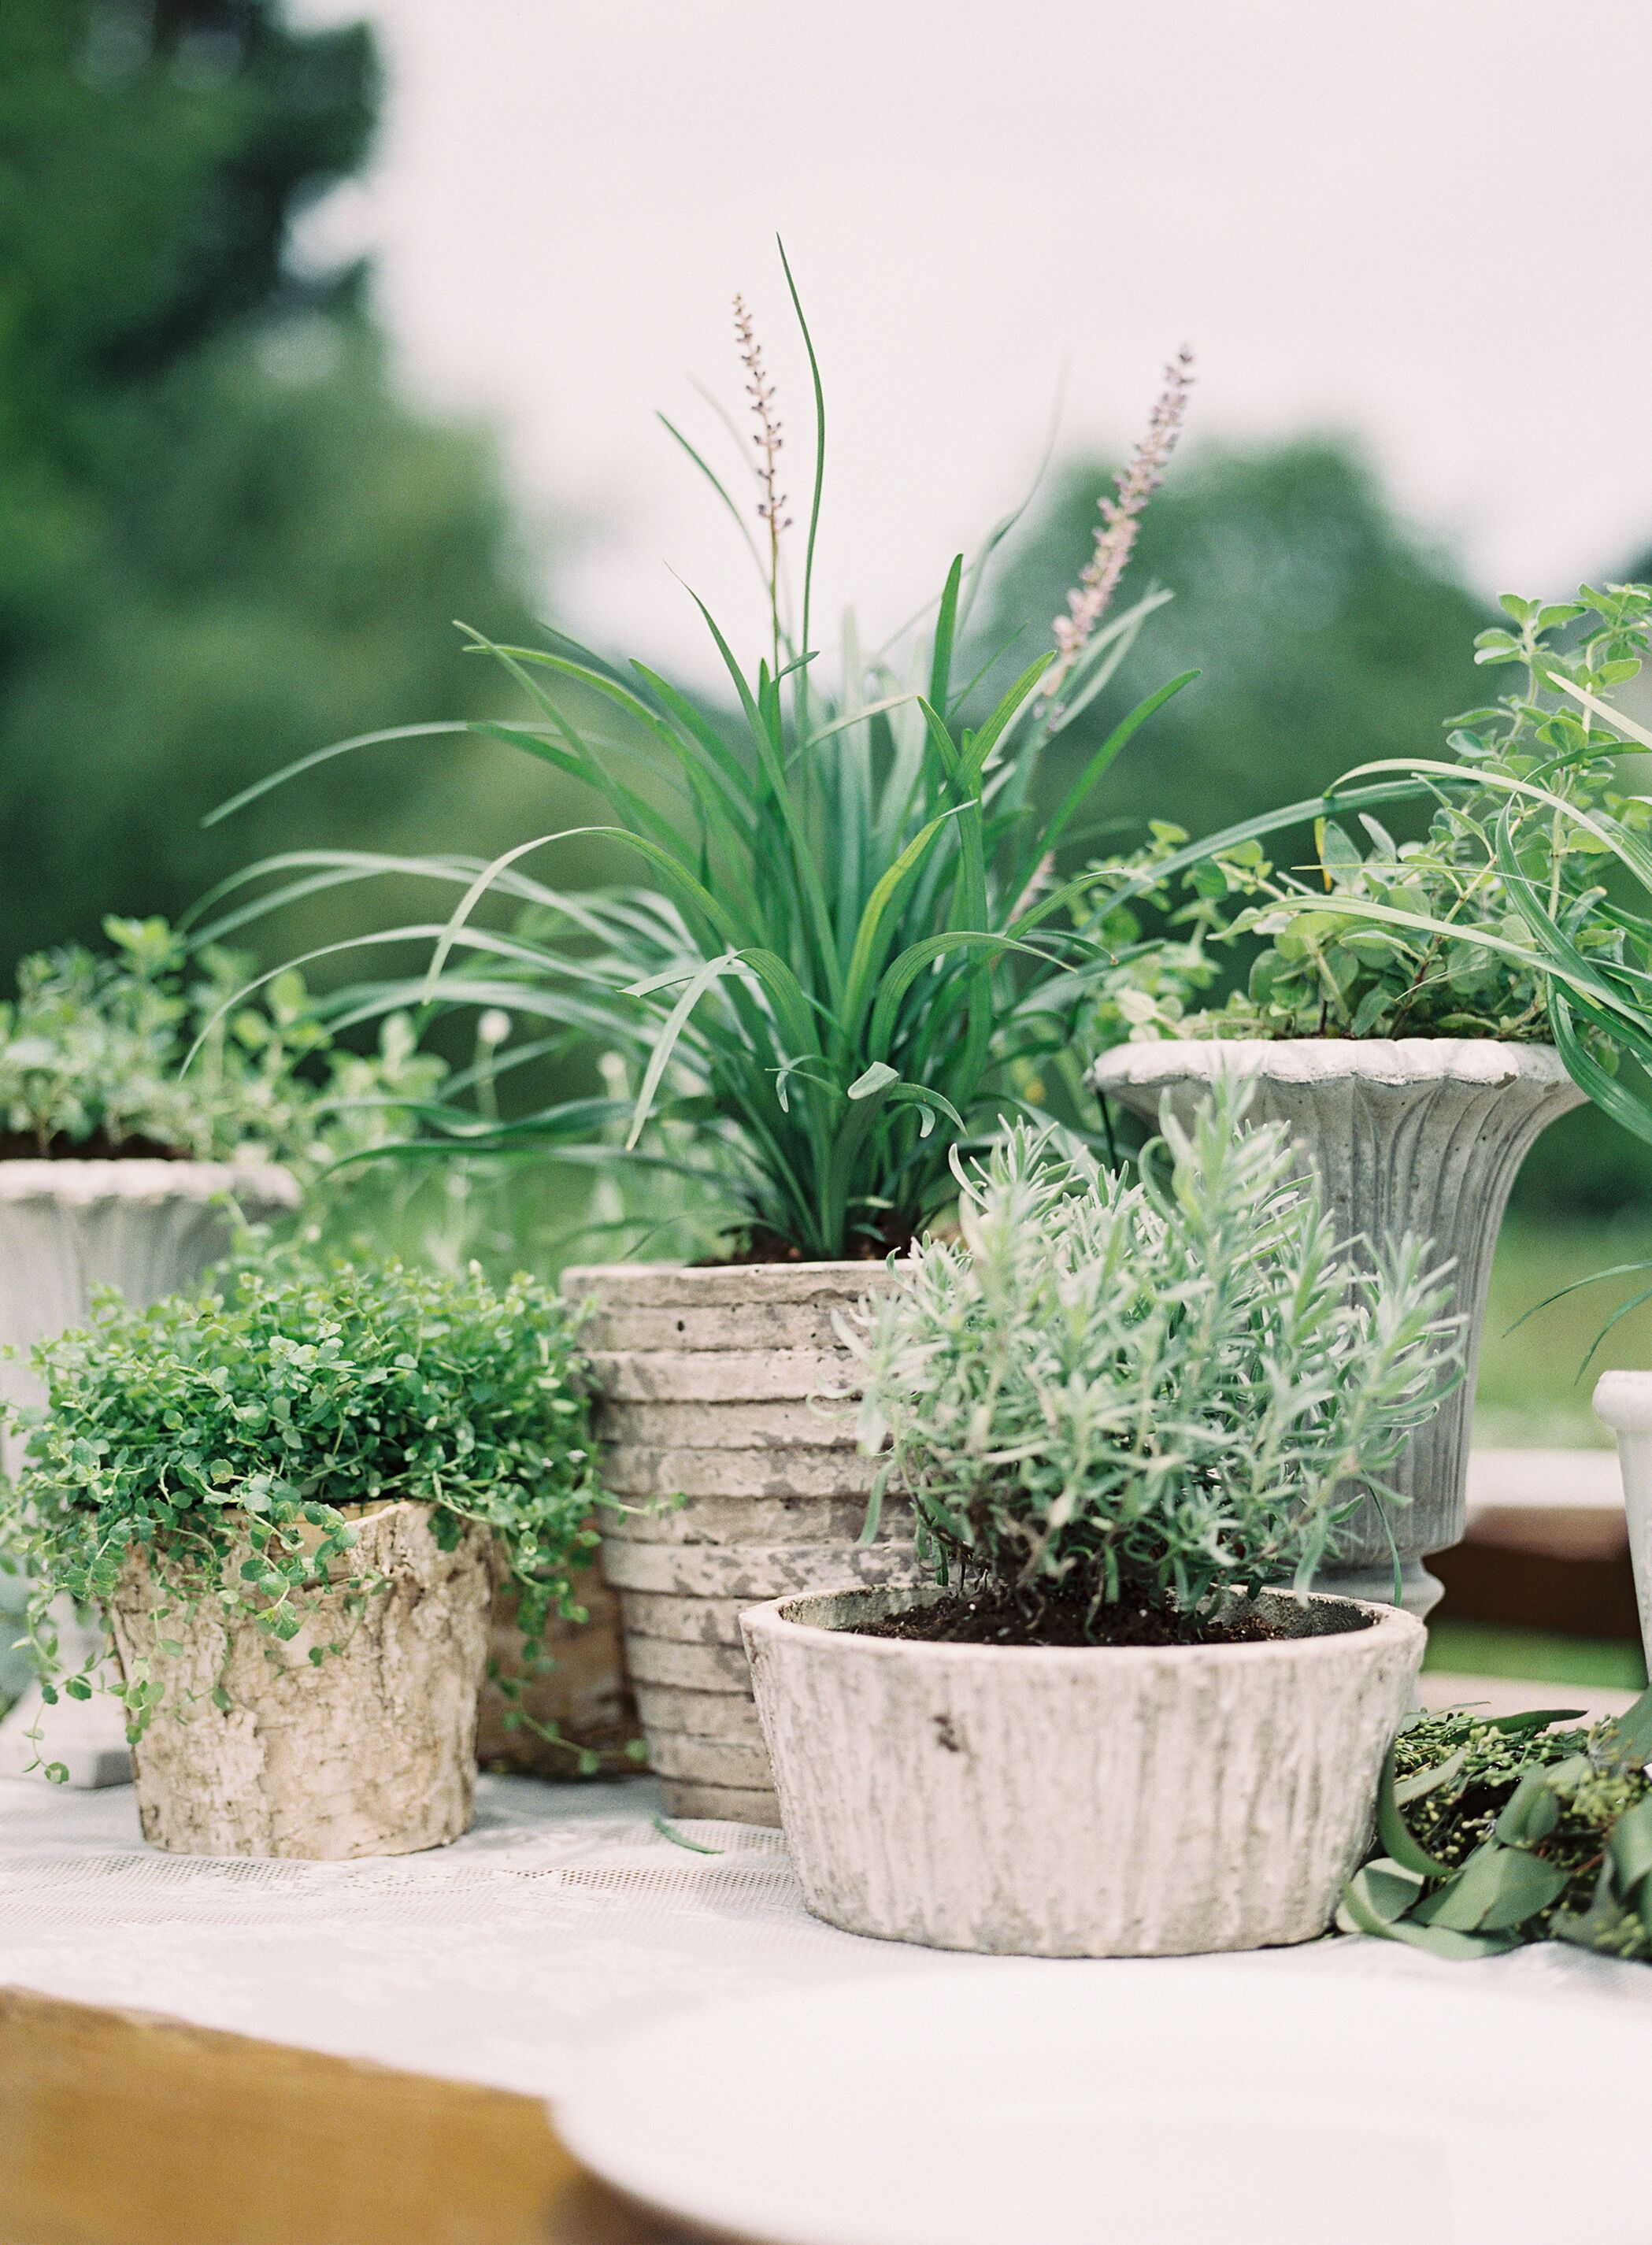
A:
143, 1179
1314, 1060
1623, 1401
1387, 1624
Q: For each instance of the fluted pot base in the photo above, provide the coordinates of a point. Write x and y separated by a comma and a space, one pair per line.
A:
1102, 1801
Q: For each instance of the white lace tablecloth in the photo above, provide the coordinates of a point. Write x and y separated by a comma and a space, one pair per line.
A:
563, 1916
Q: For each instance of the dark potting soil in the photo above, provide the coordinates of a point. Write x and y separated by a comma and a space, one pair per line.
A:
759, 1246
989, 1617
22, 1146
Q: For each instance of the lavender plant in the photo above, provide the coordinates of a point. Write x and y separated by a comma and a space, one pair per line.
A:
1147, 1395
846, 956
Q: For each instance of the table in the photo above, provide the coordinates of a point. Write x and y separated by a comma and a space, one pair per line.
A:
479, 1973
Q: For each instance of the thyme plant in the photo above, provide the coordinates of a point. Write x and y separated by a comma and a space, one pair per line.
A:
846, 954
231, 1434
1153, 1393
1451, 935
93, 1048
1493, 1831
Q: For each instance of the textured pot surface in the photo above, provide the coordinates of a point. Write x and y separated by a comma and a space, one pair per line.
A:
584, 1696
726, 1417
371, 1752
1098, 1802
1623, 1401
147, 1228
1421, 1135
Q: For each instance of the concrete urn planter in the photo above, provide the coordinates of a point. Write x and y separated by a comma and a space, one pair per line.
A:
369, 1752
148, 1228
1421, 1135
1623, 1400
717, 1428
1102, 1802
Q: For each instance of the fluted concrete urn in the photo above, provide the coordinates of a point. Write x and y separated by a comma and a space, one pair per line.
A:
1099, 1800
728, 1431
1421, 1135
147, 1228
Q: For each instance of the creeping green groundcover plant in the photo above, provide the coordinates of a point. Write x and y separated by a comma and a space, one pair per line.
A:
229, 1433
1493, 1831
850, 950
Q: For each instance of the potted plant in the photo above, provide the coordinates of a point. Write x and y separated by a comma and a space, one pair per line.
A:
1126, 1416
1400, 1010
290, 1498
844, 963
121, 1167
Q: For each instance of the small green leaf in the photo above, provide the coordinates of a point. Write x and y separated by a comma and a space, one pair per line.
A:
871, 1081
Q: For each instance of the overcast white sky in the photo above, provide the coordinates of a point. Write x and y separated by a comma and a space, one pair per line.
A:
1425, 220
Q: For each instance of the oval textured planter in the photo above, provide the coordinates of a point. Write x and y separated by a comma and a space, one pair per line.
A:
726, 1388
1423, 1135
1102, 1801
1623, 1401
148, 1228
371, 1752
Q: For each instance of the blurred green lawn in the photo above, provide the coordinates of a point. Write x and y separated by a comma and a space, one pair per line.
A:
1530, 1396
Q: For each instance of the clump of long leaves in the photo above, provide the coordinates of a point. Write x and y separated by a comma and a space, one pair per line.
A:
847, 954
1493, 1831
91, 1048
1161, 1391
1457, 934
234, 1433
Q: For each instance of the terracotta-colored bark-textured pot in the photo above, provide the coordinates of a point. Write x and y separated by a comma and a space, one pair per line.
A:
147, 1228
1098, 1801
726, 1430
584, 1696
1419, 1135
371, 1750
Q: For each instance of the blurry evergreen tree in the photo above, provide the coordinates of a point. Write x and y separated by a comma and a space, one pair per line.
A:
224, 540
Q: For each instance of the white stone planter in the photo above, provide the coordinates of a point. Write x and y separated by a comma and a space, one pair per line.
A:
712, 1384
1096, 1802
1623, 1400
148, 1228
1423, 1135
371, 1752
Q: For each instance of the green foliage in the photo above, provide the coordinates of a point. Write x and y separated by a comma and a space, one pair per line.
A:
1492, 1831
1162, 1391
222, 535
231, 1434
842, 962
1432, 938
92, 1053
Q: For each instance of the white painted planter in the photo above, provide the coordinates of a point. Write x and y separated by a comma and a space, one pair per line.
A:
148, 1228
372, 1752
1423, 1135
1623, 1400
713, 1385
1094, 1802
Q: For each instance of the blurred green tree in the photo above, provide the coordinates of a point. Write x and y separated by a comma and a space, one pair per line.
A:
224, 539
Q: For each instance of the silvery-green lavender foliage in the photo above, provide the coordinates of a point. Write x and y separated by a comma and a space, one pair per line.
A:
1161, 1390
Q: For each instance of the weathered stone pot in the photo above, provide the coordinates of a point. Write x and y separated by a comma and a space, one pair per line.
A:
1421, 1135
148, 1228
369, 1752
1102, 1802
714, 1386
1623, 1400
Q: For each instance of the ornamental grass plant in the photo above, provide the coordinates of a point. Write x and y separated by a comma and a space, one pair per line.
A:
847, 952
1114, 1404
233, 1437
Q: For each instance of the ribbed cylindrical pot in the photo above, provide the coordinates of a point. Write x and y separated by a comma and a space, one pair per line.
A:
719, 1428
1421, 1135
1623, 1400
1102, 1801
147, 1228
370, 1751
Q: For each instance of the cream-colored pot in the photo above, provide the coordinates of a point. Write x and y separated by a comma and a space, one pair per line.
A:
1096, 1802
728, 1434
1623, 1400
370, 1751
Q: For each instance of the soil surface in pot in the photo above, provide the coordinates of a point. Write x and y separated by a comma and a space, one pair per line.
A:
1066, 1621
24, 1146
761, 1246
